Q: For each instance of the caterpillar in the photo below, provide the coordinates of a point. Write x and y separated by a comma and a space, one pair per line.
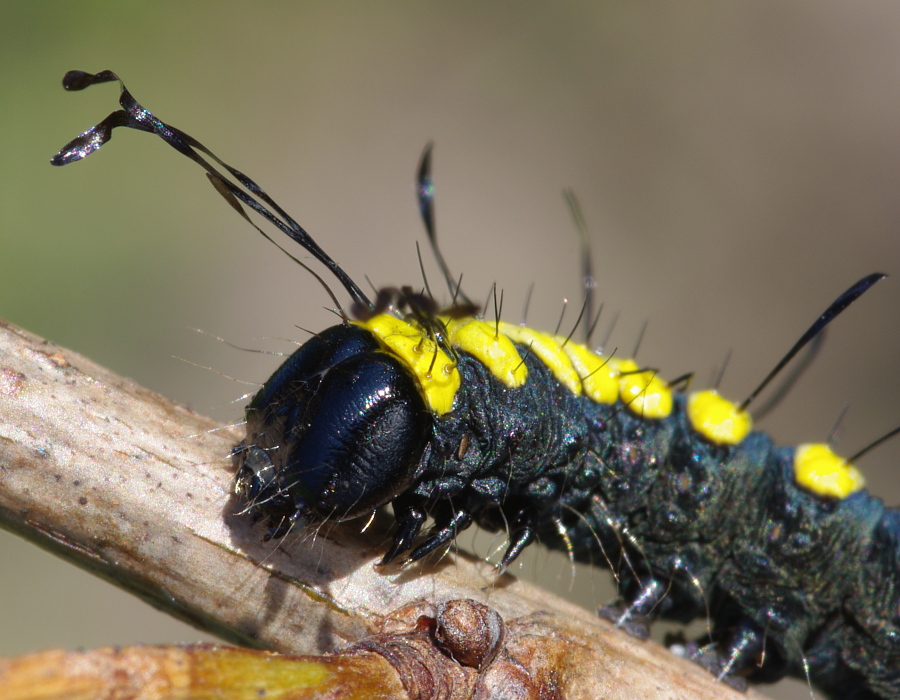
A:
462, 419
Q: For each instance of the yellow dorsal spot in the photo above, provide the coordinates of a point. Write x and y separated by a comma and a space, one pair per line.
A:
494, 350
435, 371
644, 393
822, 472
548, 351
718, 420
598, 377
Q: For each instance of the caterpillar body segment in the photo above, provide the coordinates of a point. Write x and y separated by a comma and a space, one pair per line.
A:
462, 420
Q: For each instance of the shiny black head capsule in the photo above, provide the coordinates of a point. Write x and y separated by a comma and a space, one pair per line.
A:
338, 431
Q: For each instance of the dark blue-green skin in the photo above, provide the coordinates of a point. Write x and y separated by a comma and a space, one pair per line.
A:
688, 528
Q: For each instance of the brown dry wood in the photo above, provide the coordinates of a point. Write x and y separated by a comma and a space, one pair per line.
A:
137, 489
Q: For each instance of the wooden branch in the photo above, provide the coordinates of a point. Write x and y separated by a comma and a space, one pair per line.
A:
137, 489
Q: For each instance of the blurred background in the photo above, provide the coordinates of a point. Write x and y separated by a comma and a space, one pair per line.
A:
737, 165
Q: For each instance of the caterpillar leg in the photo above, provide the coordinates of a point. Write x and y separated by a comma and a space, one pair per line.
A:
635, 617
410, 515
726, 662
447, 525
521, 534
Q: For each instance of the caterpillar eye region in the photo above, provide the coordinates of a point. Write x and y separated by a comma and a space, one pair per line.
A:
453, 417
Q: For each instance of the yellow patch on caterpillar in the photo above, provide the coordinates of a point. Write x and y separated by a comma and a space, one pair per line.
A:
819, 470
718, 420
435, 371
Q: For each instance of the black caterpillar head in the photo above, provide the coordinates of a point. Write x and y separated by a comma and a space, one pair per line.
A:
338, 431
